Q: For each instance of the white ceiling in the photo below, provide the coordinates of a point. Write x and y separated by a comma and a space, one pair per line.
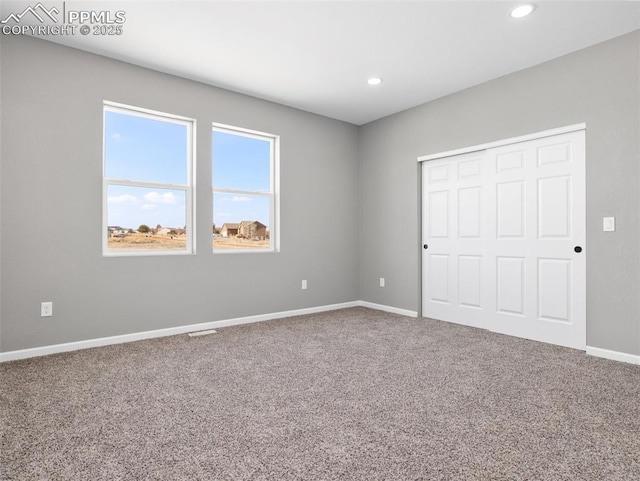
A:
317, 55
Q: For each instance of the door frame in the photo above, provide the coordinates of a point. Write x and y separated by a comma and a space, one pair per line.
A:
500, 143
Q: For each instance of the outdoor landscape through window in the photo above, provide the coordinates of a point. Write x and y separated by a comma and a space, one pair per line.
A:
147, 165
243, 189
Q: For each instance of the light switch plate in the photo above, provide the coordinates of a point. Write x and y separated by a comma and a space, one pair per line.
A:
46, 309
608, 224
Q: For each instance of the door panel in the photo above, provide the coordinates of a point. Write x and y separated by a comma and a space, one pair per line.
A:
510, 209
469, 212
468, 168
510, 286
554, 207
439, 271
439, 214
470, 281
554, 289
510, 160
554, 152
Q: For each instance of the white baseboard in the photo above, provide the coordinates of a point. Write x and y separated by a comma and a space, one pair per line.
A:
613, 355
394, 310
172, 331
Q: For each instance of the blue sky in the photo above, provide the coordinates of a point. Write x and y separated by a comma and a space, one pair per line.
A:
139, 148
241, 163
144, 149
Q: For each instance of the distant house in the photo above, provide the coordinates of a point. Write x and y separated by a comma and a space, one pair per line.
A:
117, 231
170, 231
252, 229
229, 230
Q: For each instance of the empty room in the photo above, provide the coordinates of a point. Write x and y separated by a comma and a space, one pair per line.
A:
320, 240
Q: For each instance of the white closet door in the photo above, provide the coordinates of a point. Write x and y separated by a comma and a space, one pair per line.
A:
455, 229
501, 229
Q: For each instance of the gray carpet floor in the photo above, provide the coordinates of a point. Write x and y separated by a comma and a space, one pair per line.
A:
354, 394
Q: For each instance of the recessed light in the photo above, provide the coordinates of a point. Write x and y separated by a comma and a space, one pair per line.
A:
523, 10
374, 81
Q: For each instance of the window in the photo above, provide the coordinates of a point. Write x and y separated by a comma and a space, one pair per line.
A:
245, 190
148, 186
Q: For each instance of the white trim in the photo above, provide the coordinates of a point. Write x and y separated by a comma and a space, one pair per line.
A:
613, 355
242, 250
394, 310
232, 129
503, 142
146, 185
191, 328
171, 331
220, 190
145, 113
275, 199
190, 215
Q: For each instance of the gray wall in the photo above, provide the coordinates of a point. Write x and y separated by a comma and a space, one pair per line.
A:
51, 206
599, 86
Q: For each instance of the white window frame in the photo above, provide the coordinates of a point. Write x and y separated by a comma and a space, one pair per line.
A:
273, 194
188, 188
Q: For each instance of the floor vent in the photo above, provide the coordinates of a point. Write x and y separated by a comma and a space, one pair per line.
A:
202, 333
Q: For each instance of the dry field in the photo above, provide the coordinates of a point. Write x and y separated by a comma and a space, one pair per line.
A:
238, 243
138, 241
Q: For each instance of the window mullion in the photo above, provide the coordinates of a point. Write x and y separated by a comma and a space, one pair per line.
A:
148, 185
219, 190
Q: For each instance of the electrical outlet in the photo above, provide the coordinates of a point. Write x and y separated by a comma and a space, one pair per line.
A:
304, 284
382, 282
609, 224
46, 309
